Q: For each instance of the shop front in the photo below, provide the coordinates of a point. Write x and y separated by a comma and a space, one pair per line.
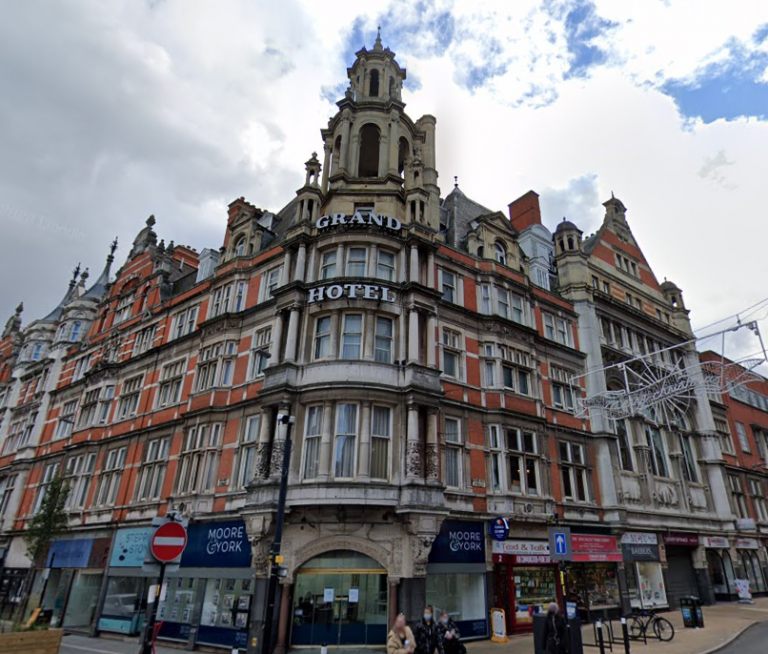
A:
125, 602
642, 565
207, 601
720, 567
747, 564
73, 579
12, 584
526, 581
340, 599
592, 578
682, 579
456, 576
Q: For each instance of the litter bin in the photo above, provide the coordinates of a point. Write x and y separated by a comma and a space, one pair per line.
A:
690, 607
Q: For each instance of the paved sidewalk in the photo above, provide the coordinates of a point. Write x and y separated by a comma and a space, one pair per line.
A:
723, 623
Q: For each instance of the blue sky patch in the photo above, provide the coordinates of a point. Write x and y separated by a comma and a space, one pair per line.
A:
584, 31
726, 89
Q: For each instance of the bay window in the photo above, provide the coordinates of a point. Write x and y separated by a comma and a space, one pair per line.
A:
345, 440
89, 409
262, 341
199, 459
185, 322
216, 365
452, 354
328, 264
385, 268
313, 432
352, 336
381, 435
356, 262
220, 301
322, 346
383, 340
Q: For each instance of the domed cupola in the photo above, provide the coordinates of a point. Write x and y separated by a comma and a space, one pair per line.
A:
375, 76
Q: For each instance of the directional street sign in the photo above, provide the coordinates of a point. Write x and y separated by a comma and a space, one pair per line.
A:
168, 542
560, 544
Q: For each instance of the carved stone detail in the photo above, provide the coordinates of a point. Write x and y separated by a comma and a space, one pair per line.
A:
278, 450
413, 457
420, 548
430, 461
263, 455
260, 551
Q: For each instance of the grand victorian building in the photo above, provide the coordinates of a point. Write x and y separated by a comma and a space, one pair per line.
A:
433, 354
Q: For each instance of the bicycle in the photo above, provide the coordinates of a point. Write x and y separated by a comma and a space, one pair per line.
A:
647, 620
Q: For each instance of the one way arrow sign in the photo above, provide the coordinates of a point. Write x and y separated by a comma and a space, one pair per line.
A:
560, 544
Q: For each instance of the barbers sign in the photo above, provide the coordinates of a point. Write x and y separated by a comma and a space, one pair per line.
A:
351, 291
358, 218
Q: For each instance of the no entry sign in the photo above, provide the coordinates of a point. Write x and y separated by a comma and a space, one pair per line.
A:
168, 542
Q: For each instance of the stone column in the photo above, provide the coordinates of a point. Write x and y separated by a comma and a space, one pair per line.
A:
369, 335
412, 450
277, 338
339, 261
264, 449
413, 335
373, 252
430, 455
431, 270
285, 277
282, 624
327, 148
414, 276
333, 347
393, 607
293, 335
324, 468
394, 142
383, 154
301, 264
310, 273
278, 445
346, 120
401, 329
364, 453
431, 340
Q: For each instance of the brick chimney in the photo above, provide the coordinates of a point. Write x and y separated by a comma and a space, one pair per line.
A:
525, 211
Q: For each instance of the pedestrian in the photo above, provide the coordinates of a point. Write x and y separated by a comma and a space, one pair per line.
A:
449, 638
555, 632
426, 633
400, 639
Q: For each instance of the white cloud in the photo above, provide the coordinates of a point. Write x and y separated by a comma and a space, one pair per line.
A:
115, 111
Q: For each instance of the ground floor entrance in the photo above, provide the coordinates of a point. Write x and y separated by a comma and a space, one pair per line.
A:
340, 598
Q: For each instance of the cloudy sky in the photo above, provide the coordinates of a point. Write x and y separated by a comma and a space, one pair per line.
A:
111, 111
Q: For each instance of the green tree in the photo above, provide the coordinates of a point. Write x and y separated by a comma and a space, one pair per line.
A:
49, 521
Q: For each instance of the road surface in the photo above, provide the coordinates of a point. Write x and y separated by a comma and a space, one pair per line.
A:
753, 641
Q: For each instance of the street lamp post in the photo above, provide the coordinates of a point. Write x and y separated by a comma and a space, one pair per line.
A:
274, 572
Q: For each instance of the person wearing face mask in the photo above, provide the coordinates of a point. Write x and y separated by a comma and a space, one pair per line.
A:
426, 633
555, 631
449, 638
400, 639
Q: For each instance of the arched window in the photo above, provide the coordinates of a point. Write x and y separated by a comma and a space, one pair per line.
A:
240, 247
368, 162
501, 253
75, 333
374, 84
570, 242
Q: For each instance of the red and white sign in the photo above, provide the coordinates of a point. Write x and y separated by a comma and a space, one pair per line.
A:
168, 542
715, 542
592, 548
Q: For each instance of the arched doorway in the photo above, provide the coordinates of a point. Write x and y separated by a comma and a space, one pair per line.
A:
721, 574
340, 598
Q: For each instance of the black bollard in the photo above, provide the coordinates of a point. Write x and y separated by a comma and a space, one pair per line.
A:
600, 643
625, 633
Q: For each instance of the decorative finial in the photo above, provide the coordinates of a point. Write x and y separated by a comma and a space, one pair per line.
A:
113, 247
377, 45
76, 273
613, 197
19, 308
84, 276
455, 181
151, 221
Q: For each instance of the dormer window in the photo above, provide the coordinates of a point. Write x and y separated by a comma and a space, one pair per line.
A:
36, 351
240, 247
76, 328
501, 254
